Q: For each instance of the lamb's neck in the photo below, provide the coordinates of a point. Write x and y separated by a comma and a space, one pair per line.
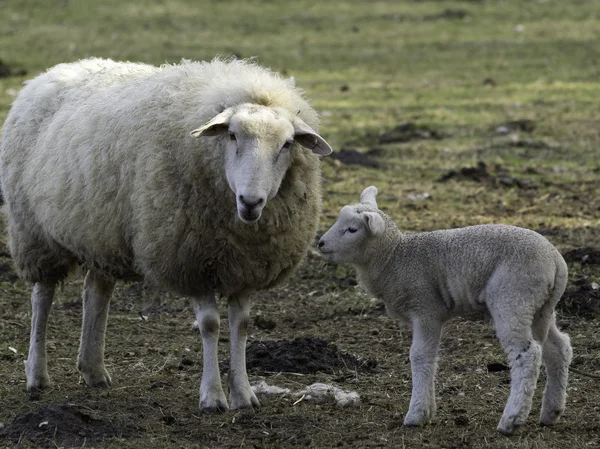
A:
376, 258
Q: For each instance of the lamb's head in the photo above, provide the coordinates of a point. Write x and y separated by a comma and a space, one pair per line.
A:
259, 142
355, 227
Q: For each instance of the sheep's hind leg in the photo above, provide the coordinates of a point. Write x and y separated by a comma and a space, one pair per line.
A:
423, 354
36, 366
240, 392
513, 328
96, 299
212, 396
556, 354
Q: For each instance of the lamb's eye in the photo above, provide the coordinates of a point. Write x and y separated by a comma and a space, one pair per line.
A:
232, 136
287, 145
351, 230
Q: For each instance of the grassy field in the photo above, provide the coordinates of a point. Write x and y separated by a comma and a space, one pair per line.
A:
499, 98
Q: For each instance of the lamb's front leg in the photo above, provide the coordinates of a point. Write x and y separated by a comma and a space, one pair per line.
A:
212, 397
240, 392
423, 353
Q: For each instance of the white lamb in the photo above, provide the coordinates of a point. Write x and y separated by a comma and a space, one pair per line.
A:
425, 279
98, 168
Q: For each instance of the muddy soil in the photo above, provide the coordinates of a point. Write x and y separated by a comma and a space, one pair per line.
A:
407, 132
482, 174
6, 70
306, 355
581, 299
523, 125
587, 255
353, 157
59, 424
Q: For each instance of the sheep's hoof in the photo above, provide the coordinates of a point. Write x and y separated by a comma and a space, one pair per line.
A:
34, 392
549, 417
38, 384
244, 401
214, 406
97, 379
509, 425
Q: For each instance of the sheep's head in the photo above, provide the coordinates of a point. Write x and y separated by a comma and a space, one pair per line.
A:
259, 144
355, 226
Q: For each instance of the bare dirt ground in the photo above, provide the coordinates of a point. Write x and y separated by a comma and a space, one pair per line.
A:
318, 328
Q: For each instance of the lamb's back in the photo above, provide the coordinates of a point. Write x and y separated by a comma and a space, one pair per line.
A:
456, 265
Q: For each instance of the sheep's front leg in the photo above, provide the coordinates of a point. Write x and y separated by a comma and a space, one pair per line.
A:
96, 299
36, 366
240, 392
212, 397
423, 353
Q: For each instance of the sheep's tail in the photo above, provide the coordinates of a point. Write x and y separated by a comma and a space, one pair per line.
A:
561, 277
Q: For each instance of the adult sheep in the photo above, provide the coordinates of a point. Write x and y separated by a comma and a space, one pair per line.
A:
100, 167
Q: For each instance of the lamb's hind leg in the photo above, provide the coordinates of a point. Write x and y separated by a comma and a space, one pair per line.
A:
513, 329
36, 366
212, 396
96, 299
240, 392
557, 354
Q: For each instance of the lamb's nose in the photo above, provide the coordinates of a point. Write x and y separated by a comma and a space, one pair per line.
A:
321, 243
251, 201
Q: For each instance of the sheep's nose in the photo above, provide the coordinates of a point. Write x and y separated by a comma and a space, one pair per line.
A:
251, 201
321, 243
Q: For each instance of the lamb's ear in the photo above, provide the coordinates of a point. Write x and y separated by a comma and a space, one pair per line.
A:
369, 196
308, 138
215, 126
374, 223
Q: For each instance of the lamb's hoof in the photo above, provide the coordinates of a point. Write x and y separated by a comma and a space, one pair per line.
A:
241, 401
509, 425
97, 379
416, 420
549, 417
214, 406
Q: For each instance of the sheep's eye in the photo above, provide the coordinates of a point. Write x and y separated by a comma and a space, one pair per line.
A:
232, 136
351, 230
287, 145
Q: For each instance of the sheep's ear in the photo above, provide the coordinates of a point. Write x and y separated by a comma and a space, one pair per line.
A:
217, 125
369, 196
374, 223
308, 138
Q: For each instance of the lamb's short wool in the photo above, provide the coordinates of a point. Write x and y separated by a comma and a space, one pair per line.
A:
203, 177
513, 274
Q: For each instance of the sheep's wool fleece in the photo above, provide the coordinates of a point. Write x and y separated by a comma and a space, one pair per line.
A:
98, 168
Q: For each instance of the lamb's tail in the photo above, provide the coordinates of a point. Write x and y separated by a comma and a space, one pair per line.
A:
560, 281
